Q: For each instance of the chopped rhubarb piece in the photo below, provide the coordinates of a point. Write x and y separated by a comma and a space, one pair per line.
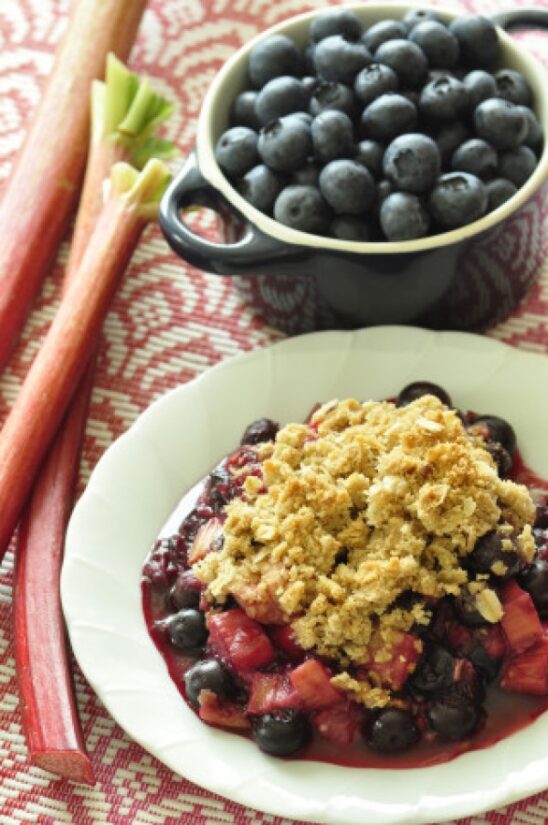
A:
204, 540
271, 691
520, 622
239, 641
312, 681
284, 639
340, 724
394, 672
220, 713
528, 672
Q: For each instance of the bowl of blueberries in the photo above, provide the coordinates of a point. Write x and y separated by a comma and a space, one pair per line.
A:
373, 164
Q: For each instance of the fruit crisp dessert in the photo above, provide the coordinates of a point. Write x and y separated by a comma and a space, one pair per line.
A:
358, 580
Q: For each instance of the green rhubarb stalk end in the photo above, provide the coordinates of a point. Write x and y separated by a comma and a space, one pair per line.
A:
142, 190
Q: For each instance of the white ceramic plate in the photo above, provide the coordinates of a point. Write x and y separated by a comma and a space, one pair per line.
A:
174, 443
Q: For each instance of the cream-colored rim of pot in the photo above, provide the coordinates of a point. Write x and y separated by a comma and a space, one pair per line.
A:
232, 79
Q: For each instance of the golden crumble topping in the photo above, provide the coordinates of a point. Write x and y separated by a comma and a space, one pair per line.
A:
358, 509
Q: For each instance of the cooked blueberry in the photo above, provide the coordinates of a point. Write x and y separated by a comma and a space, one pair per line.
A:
534, 580
438, 44
513, 86
467, 610
478, 40
236, 151
403, 217
453, 721
282, 733
489, 552
273, 57
419, 388
375, 80
391, 730
499, 191
331, 95
434, 671
534, 136
350, 228
480, 85
407, 60
450, 138
303, 208
443, 99
477, 157
219, 486
370, 153
412, 162
263, 429
541, 517
332, 136
308, 175
487, 667
186, 591
187, 629
347, 186
243, 110
500, 123
207, 674
340, 59
387, 116
501, 457
457, 198
260, 186
518, 164
285, 144
279, 97
335, 21
494, 428
382, 31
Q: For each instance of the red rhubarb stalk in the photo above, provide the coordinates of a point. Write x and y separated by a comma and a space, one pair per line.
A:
50, 718
42, 190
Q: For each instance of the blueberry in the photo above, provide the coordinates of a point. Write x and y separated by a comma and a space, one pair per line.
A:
387, 116
489, 551
335, 21
518, 164
513, 86
499, 191
308, 56
494, 428
412, 162
375, 80
418, 389
370, 153
279, 97
260, 186
534, 136
309, 84
467, 610
285, 144
382, 31
236, 151
500, 456
458, 198
350, 228
243, 110
282, 733
259, 431
434, 671
449, 138
487, 667
347, 186
304, 117
500, 123
403, 217
478, 40
184, 593
444, 99
303, 208
391, 730
453, 721
187, 629
407, 60
413, 17
308, 175
384, 188
435, 74
340, 59
331, 95
275, 56
332, 135
541, 517
477, 157
207, 674
480, 85
438, 44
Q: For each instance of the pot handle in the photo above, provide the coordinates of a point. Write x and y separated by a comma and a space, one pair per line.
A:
190, 188
534, 17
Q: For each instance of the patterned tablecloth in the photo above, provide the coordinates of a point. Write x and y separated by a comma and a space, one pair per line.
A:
169, 323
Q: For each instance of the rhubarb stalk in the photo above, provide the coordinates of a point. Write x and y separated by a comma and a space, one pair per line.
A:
125, 114
42, 190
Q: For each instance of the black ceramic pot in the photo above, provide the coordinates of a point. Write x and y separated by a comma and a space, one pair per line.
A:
468, 278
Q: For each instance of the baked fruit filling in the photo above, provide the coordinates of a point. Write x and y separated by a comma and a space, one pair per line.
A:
359, 578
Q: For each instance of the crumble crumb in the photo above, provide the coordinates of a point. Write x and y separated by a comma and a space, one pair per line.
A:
364, 505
